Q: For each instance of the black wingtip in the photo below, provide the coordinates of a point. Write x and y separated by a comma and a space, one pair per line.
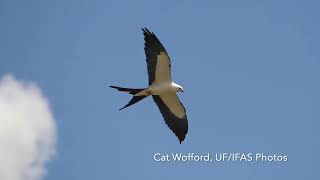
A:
146, 31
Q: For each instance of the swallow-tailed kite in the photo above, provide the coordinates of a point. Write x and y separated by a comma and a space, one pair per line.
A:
161, 86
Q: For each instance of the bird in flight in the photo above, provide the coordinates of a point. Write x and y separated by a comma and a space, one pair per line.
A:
161, 86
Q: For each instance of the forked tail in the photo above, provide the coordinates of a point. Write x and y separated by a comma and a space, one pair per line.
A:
132, 91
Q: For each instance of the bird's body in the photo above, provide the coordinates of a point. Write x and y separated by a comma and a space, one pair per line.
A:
161, 87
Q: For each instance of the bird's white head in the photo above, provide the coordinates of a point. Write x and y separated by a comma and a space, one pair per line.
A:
177, 87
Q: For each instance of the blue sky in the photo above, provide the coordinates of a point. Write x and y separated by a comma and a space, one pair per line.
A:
250, 71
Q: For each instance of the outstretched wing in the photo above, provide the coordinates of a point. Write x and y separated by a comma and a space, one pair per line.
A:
174, 113
158, 61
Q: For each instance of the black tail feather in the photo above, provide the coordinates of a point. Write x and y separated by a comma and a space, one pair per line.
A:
134, 100
129, 90
132, 91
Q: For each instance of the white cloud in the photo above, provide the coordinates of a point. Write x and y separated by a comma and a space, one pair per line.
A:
27, 131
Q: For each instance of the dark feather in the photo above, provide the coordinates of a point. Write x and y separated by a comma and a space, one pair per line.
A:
129, 90
134, 100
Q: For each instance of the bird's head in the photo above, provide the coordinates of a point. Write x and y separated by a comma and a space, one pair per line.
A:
179, 88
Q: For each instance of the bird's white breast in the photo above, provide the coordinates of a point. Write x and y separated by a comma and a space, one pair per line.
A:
158, 89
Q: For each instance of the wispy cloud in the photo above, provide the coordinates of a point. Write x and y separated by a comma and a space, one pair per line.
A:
27, 131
